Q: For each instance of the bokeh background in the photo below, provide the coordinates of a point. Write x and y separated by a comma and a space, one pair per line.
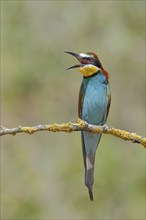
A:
42, 175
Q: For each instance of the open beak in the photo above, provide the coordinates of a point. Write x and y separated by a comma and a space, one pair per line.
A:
76, 56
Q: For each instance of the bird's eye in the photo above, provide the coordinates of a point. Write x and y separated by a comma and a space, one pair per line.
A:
87, 59
90, 59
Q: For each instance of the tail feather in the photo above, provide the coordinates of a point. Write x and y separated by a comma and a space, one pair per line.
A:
89, 145
91, 194
89, 173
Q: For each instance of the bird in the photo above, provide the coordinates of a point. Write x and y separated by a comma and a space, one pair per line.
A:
93, 107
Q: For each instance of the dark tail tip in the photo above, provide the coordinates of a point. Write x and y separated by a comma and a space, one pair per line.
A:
91, 195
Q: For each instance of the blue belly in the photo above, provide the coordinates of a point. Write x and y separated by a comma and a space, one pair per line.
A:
94, 108
95, 100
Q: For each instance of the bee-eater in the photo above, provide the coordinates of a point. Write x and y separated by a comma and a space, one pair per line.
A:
93, 107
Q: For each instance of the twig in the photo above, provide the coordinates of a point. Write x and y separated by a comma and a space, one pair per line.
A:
80, 125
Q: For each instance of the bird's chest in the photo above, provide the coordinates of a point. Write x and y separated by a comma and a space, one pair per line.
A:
95, 101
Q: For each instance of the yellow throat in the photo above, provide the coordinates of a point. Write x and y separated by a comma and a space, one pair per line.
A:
89, 70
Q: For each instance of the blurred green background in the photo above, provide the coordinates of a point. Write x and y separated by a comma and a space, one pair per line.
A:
42, 175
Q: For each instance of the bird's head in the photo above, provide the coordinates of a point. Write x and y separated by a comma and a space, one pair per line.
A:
89, 64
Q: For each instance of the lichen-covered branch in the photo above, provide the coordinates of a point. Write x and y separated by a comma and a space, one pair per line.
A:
80, 125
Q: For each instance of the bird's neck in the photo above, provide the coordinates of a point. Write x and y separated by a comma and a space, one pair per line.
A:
105, 73
89, 70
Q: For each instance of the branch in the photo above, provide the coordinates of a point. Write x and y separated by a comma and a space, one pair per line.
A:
78, 126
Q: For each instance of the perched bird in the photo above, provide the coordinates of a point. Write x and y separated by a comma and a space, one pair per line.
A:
93, 107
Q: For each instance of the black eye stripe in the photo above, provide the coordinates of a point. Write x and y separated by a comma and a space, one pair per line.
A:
86, 58
89, 59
